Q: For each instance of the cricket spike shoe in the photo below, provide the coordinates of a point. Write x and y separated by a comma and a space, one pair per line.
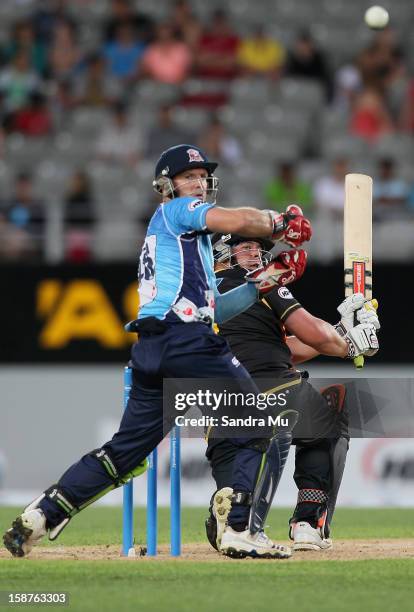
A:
240, 544
306, 537
220, 507
25, 532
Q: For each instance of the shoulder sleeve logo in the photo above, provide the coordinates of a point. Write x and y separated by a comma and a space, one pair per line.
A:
193, 204
284, 293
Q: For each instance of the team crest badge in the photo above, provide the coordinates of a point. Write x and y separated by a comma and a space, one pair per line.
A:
194, 156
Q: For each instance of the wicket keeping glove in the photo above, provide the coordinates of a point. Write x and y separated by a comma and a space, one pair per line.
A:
287, 267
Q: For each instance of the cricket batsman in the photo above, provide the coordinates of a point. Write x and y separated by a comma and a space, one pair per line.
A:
179, 303
259, 340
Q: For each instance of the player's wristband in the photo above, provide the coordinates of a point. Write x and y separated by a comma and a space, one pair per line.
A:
279, 224
351, 348
340, 329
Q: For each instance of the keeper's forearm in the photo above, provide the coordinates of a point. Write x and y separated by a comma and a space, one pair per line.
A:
254, 223
248, 222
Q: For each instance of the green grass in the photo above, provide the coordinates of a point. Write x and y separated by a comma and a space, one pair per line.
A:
374, 585
189, 586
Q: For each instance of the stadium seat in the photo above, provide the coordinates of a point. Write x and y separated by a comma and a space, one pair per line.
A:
344, 146
302, 94
190, 119
398, 146
154, 93
24, 152
249, 92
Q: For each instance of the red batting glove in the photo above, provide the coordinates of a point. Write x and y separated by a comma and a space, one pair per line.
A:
286, 268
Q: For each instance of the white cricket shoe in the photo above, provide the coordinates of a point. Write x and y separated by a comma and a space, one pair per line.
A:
221, 510
240, 544
25, 532
306, 537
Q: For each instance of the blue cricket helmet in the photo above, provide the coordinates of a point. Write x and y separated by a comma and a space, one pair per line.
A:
182, 157
177, 159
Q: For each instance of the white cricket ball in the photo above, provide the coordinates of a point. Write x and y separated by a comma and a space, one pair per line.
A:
376, 17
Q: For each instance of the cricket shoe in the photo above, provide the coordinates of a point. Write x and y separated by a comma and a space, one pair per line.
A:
220, 507
306, 537
240, 544
25, 532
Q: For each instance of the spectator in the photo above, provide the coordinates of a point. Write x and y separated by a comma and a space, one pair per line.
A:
17, 82
397, 85
122, 11
95, 87
26, 217
285, 188
329, 191
260, 55
220, 145
62, 102
165, 134
64, 54
15, 244
47, 14
406, 119
79, 218
35, 119
119, 141
24, 41
306, 61
370, 118
348, 83
124, 53
185, 24
391, 193
216, 55
376, 61
167, 59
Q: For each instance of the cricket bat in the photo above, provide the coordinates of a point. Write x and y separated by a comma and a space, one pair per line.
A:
358, 239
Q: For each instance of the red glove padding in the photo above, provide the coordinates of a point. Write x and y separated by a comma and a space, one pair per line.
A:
298, 228
286, 268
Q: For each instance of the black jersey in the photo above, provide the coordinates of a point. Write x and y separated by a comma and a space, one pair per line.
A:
257, 336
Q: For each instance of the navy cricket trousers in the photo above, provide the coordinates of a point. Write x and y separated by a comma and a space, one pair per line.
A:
184, 350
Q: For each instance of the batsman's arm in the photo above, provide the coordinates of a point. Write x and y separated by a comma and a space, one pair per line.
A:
316, 334
300, 352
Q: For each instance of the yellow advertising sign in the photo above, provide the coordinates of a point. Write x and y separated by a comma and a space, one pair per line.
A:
80, 309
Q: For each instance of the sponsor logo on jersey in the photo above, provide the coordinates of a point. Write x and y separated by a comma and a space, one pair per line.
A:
284, 293
194, 155
193, 204
235, 362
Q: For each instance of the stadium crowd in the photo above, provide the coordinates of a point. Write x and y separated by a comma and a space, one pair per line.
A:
91, 92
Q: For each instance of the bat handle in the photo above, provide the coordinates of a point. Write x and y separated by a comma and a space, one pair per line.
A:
359, 362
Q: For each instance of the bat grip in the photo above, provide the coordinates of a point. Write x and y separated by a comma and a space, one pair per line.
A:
359, 362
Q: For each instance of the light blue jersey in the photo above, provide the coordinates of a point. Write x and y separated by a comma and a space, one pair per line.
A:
176, 259
176, 268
